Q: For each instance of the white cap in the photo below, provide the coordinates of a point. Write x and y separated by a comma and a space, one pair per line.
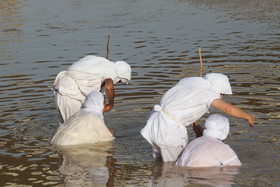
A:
94, 103
123, 70
219, 83
217, 126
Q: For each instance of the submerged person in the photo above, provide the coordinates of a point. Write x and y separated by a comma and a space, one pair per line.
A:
209, 150
89, 74
86, 126
182, 106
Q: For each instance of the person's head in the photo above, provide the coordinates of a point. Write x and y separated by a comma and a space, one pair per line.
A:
123, 70
94, 103
219, 83
217, 126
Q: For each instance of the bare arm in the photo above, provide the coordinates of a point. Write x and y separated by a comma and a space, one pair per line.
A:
110, 92
233, 111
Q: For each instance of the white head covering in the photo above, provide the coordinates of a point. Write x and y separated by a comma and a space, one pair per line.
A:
94, 66
219, 82
217, 126
123, 70
94, 103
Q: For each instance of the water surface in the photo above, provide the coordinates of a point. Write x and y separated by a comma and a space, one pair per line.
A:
160, 40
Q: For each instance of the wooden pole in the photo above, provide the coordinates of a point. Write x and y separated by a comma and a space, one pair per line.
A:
108, 47
198, 129
200, 58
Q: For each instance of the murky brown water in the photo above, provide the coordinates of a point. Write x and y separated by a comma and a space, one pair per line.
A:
160, 39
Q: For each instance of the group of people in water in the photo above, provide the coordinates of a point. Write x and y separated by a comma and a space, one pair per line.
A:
81, 103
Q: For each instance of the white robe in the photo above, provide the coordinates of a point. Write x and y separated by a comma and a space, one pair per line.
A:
82, 128
71, 87
179, 107
86, 126
207, 151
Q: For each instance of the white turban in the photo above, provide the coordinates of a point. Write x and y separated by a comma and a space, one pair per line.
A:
219, 82
217, 126
94, 103
123, 70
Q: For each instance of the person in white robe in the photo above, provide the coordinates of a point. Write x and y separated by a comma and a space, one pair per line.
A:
182, 106
209, 150
91, 73
86, 126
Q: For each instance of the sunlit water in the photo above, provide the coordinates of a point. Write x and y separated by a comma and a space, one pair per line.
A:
160, 39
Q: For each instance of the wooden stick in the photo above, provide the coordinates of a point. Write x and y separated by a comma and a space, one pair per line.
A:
108, 47
197, 129
199, 50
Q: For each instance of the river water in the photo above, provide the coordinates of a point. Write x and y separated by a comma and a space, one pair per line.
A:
160, 40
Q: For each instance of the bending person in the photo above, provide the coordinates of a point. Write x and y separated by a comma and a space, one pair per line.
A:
209, 150
182, 106
86, 126
89, 74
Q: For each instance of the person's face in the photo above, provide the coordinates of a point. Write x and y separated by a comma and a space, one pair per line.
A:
221, 96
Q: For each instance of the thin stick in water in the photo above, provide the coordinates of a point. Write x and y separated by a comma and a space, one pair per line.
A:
197, 129
199, 50
108, 47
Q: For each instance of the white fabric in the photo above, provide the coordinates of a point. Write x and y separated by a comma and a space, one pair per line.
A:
86, 126
82, 128
217, 126
189, 99
169, 154
123, 71
219, 83
181, 105
94, 103
207, 151
66, 106
163, 131
84, 77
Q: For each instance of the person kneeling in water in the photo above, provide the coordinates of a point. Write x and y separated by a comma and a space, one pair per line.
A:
86, 126
209, 150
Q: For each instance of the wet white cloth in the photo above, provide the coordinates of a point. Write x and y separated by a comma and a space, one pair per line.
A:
94, 104
217, 126
180, 106
208, 151
86, 126
71, 87
168, 154
219, 83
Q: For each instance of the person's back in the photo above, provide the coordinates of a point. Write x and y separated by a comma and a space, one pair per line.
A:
88, 74
209, 150
189, 99
86, 126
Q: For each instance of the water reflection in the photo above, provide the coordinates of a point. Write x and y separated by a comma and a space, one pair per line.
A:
86, 165
168, 174
160, 39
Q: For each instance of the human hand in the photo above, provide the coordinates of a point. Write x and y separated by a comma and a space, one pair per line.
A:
112, 132
251, 120
106, 108
197, 129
